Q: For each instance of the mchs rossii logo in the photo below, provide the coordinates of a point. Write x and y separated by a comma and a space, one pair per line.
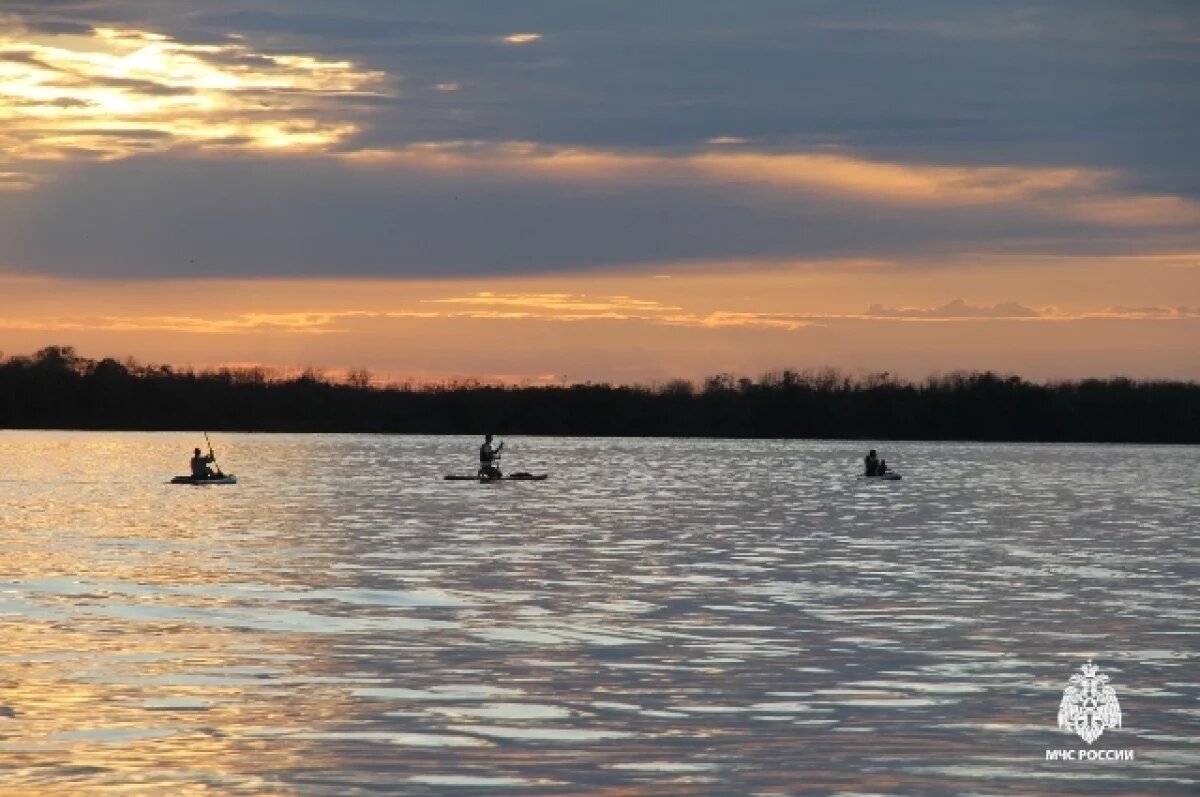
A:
1089, 704
1089, 707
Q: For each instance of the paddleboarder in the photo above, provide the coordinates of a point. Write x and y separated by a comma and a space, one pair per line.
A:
200, 469
488, 457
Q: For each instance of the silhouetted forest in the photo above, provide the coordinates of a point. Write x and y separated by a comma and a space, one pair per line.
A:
55, 388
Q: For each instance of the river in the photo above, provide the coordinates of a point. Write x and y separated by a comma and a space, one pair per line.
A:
659, 617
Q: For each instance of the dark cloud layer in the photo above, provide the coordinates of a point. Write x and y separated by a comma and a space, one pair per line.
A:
1094, 84
967, 80
284, 216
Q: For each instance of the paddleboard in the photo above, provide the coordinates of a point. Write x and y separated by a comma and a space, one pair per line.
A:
887, 477
514, 477
228, 479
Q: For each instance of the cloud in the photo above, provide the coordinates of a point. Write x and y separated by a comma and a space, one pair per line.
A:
63, 97
445, 209
1150, 313
960, 82
956, 310
522, 38
309, 323
726, 318
905, 183
607, 316
960, 310
832, 174
1138, 211
322, 26
557, 302
565, 307
627, 135
543, 307
16, 181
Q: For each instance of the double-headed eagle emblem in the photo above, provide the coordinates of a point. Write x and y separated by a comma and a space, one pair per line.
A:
1089, 705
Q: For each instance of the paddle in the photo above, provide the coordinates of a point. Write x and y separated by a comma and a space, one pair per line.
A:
210, 453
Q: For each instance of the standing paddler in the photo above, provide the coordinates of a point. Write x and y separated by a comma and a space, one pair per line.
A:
488, 459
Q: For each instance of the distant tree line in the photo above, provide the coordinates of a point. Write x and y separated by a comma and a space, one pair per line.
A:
56, 388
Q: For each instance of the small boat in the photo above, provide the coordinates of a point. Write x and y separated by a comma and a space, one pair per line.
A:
884, 477
512, 477
223, 479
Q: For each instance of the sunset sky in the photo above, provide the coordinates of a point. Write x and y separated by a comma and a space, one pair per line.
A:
618, 190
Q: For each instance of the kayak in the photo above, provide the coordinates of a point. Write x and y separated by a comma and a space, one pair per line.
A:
886, 477
229, 479
512, 477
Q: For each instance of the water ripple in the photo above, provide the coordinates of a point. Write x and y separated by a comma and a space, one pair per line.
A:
771, 626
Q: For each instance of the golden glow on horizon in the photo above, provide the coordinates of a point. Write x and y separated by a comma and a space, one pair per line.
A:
563, 307
1041, 317
118, 93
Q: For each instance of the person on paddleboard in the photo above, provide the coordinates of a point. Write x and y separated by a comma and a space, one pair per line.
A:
871, 462
488, 457
200, 469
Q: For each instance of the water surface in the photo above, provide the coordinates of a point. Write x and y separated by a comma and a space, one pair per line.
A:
659, 618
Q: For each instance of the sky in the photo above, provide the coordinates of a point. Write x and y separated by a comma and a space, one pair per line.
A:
551, 191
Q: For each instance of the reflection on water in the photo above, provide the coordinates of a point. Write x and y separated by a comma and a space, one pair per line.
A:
661, 617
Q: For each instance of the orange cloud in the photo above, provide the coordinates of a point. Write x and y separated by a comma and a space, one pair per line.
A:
726, 318
310, 323
556, 301
1137, 211
1147, 313
577, 307
960, 310
955, 310
567, 308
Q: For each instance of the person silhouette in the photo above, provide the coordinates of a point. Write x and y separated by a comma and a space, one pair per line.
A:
488, 457
871, 462
200, 469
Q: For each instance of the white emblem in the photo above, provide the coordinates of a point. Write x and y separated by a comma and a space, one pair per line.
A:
1089, 705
